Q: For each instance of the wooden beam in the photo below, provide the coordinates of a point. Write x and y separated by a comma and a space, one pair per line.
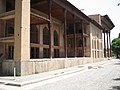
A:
7, 39
39, 3
7, 15
39, 14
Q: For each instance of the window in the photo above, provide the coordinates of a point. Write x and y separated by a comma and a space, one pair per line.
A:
56, 53
46, 36
10, 52
9, 28
56, 41
34, 53
34, 34
45, 52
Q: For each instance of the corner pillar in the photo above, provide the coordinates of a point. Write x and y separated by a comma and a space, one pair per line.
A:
22, 30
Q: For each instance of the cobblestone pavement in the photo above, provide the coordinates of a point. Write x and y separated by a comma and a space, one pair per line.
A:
105, 77
101, 78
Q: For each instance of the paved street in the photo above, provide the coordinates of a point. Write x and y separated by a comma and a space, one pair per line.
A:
105, 77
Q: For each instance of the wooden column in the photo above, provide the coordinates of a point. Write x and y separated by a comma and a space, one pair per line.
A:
74, 17
104, 45
22, 30
65, 34
49, 26
107, 45
110, 44
83, 39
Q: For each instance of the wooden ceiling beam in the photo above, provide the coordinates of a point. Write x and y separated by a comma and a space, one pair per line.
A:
72, 10
39, 3
38, 16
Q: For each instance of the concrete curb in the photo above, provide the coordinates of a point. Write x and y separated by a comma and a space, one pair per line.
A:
62, 73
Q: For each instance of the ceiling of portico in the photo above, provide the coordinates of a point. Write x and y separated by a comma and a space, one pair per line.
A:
56, 11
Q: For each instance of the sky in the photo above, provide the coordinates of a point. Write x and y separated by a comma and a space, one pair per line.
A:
102, 7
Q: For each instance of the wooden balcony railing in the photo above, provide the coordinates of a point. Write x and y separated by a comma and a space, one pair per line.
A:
7, 39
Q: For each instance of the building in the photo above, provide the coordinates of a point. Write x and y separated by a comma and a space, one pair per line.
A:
44, 35
97, 36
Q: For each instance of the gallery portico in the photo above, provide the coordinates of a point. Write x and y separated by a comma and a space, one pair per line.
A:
43, 35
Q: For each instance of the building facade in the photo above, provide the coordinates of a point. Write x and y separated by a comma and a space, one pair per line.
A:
43, 35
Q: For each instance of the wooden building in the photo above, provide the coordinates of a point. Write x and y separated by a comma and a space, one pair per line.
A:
43, 35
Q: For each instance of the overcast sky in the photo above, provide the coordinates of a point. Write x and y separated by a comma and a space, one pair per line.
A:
103, 7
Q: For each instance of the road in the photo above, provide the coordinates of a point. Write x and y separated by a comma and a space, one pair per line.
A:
106, 77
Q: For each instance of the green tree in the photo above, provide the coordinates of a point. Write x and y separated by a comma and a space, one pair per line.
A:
118, 4
116, 47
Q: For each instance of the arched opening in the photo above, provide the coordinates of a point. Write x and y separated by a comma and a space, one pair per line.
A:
46, 41
56, 43
56, 39
34, 34
46, 36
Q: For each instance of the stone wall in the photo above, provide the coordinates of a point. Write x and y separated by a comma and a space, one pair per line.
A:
39, 66
8, 67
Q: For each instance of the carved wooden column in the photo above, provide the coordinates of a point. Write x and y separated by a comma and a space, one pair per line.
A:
110, 44
65, 34
83, 39
74, 17
104, 44
49, 26
107, 45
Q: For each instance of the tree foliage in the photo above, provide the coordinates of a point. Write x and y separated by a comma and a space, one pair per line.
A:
116, 47
118, 4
